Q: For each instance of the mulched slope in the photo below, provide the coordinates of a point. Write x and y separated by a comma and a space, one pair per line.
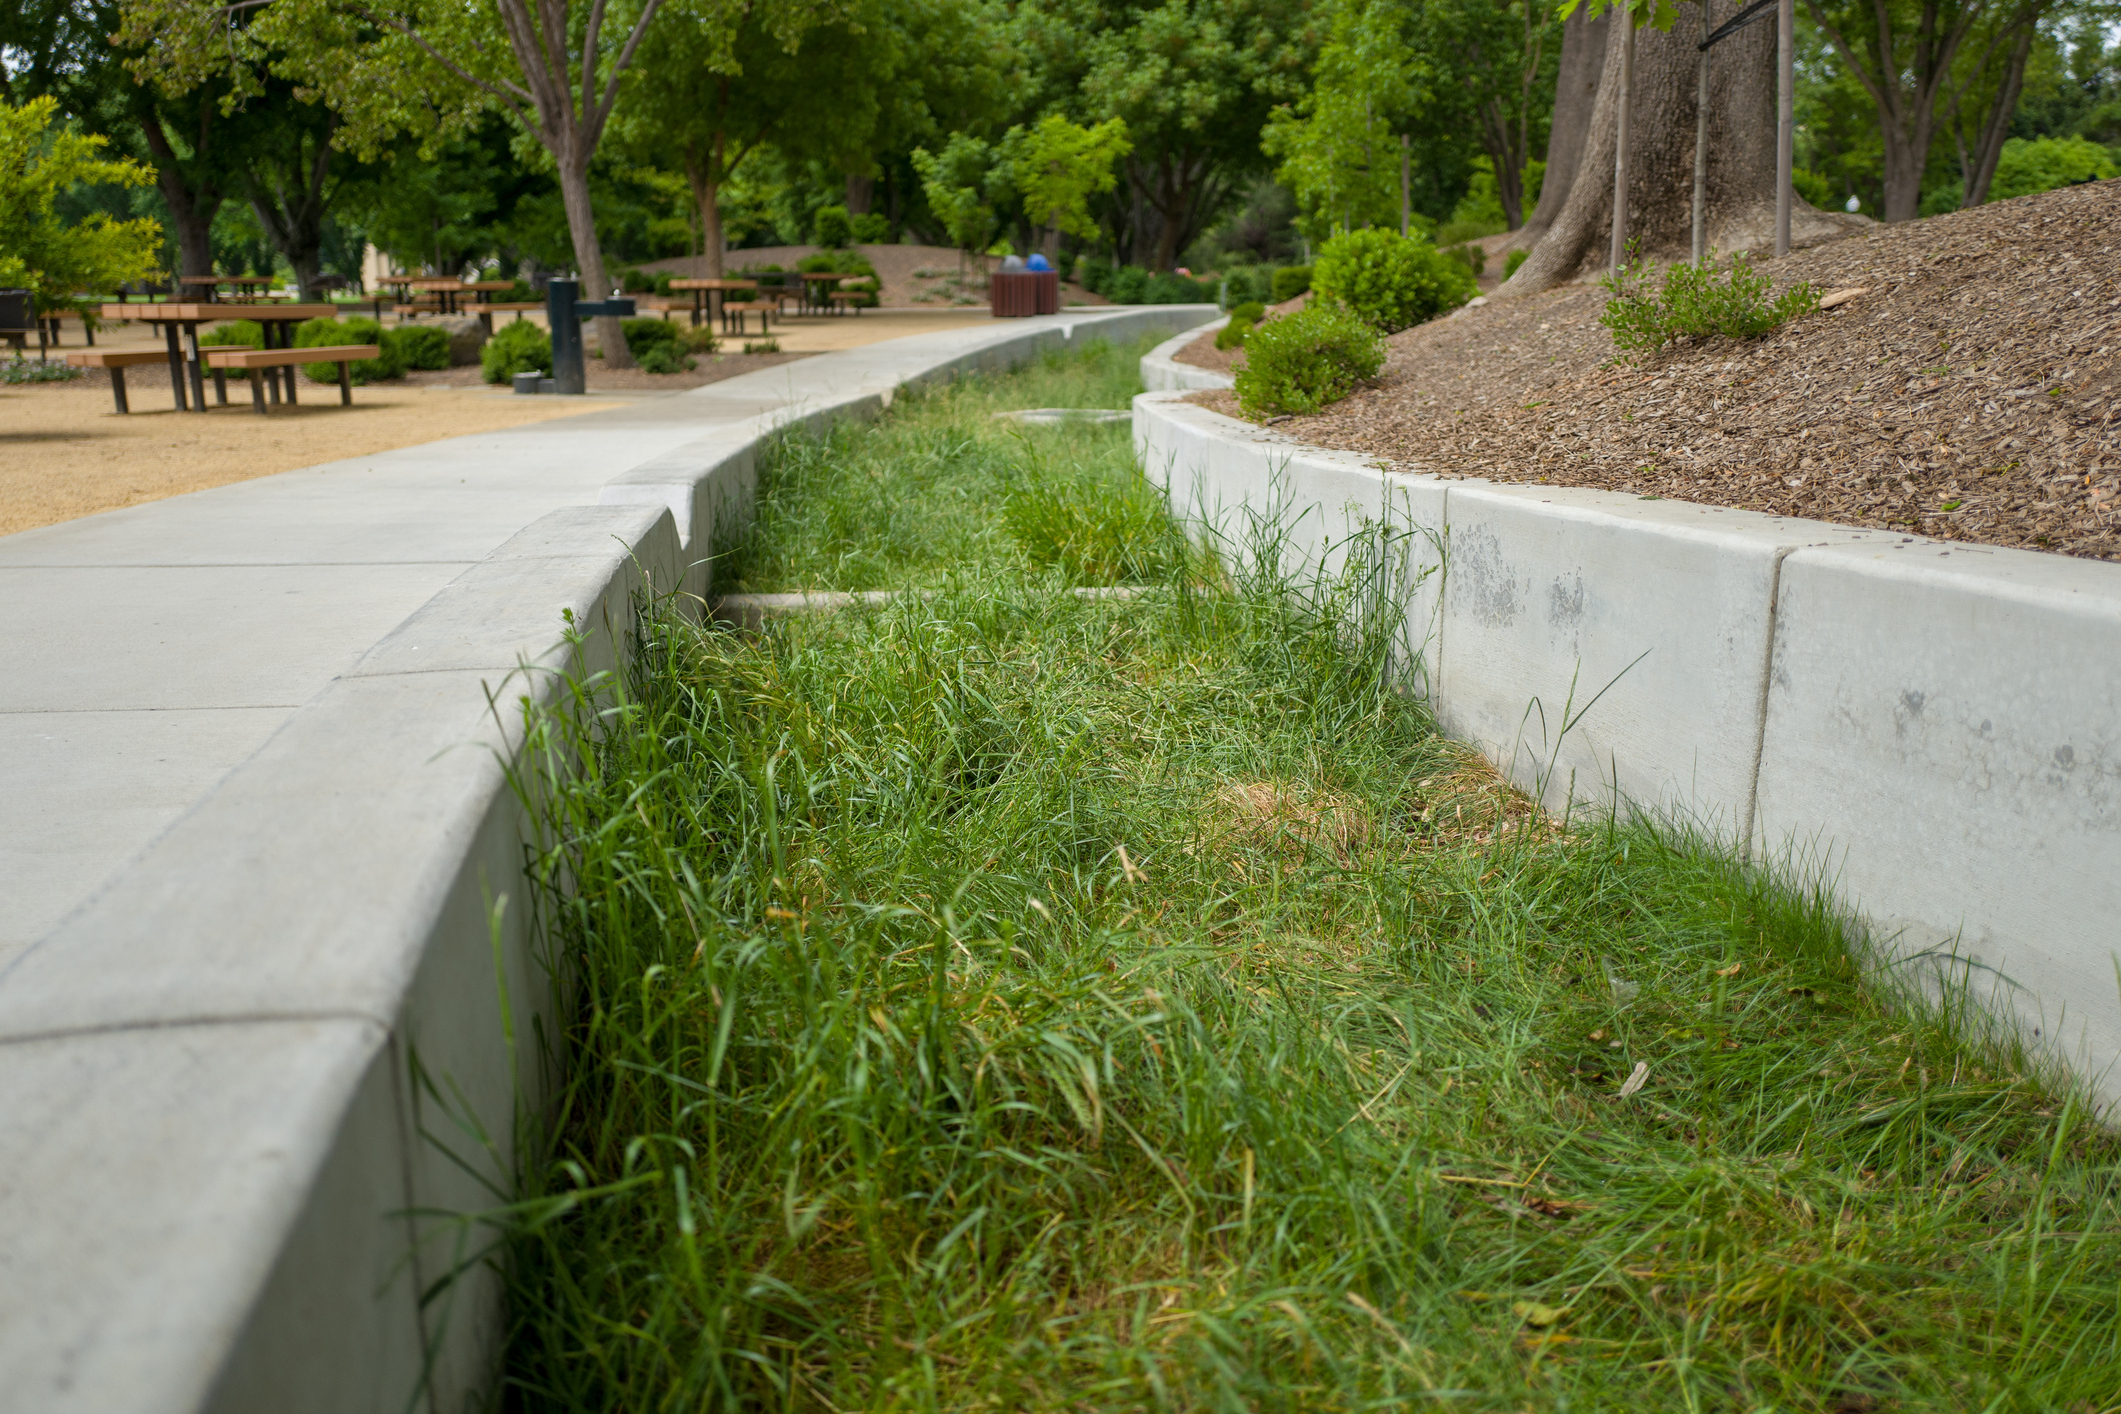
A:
1970, 394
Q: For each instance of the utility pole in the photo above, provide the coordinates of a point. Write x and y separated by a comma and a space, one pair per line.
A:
1701, 148
1785, 118
1406, 187
1620, 146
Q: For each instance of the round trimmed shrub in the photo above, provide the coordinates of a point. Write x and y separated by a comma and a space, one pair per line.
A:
236, 334
328, 333
1392, 281
422, 345
645, 334
663, 356
516, 347
1289, 282
1303, 361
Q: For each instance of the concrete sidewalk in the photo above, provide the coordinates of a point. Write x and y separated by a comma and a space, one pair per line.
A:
264, 940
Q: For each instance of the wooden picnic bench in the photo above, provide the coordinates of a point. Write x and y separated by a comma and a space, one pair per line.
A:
256, 361
739, 308
116, 361
848, 299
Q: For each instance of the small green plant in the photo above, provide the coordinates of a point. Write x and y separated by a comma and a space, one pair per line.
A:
833, 227
1289, 282
1471, 256
1301, 362
235, 334
1514, 259
645, 334
1392, 281
1696, 303
1243, 319
520, 347
332, 333
699, 340
767, 345
663, 357
422, 345
24, 370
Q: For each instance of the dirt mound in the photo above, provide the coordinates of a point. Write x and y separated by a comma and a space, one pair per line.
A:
1968, 393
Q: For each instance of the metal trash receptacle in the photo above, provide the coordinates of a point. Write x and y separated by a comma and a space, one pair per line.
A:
1021, 294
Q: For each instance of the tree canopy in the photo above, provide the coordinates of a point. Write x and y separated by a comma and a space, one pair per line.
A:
40, 158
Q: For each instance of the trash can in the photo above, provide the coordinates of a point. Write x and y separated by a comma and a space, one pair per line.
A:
1021, 294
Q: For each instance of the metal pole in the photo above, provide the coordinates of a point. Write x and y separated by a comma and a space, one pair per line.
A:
1701, 148
568, 375
1406, 187
1620, 145
1785, 118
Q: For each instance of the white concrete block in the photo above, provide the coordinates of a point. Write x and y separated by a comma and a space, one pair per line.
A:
1944, 728
1163, 373
279, 1144
1595, 640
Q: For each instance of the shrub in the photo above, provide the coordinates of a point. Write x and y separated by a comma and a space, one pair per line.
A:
326, 333
662, 356
1813, 188
633, 282
25, 370
1249, 286
236, 334
1289, 282
519, 347
697, 340
1471, 256
662, 281
422, 345
1696, 303
1177, 289
1391, 281
645, 334
872, 228
2045, 163
767, 345
833, 227
1514, 259
1303, 361
1242, 319
1128, 285
1093, 274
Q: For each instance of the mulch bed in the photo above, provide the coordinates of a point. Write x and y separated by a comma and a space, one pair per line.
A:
1968, 394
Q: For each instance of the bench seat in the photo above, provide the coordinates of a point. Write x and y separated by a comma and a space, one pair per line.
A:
739, 308
255, 361
117, 361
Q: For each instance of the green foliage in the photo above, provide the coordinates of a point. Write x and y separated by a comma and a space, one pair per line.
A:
1391, 281
516, 347
1058, 166
644, 334
2046, 163
1289, 282
833, 228
1696, 303
389, 363
1232, 335
662, 356
33, 370
1129, 284
633, 282
421, 345
871, 228
235, 334
1300, 362
1178, 289
1514, 259
700, 340
961, 184
1814, 188
41, 160
1251, 311
1471, 256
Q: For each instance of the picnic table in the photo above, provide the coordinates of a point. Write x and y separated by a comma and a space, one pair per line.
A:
815, 298
708, 295
211, 284
185, 365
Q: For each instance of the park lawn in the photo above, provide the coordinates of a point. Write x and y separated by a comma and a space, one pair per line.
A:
1002, 998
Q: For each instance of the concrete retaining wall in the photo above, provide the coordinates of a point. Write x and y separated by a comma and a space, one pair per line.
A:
239, 1082
1934, 724
1163, 373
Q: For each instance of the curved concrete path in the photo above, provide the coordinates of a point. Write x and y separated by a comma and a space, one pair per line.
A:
264, 971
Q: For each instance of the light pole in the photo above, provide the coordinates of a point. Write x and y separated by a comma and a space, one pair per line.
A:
1620, 145
1785, 118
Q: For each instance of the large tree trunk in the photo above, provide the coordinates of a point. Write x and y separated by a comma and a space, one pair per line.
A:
589, 255
1575, 95
1910, 76
707, 200
861, 195
192, 207
1988, 148
1741, 176
290, 203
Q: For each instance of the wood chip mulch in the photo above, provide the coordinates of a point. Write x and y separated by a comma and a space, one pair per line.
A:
1971, 392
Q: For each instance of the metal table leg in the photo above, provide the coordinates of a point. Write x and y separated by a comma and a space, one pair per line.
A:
193, 366
176, 366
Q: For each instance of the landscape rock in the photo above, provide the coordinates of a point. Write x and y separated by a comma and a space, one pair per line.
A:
466, 337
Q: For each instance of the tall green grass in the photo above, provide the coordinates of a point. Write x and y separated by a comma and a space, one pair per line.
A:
1001, 999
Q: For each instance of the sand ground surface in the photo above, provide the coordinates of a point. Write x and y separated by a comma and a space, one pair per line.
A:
68, 453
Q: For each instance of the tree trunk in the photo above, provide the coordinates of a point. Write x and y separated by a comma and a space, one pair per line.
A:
1989, 149
589, 255
1575, 95
861, 195
290, 204
1912, 75
1741, 176
707, 200
191, 208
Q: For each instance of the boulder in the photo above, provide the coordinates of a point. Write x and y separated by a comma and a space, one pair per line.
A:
466, 337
